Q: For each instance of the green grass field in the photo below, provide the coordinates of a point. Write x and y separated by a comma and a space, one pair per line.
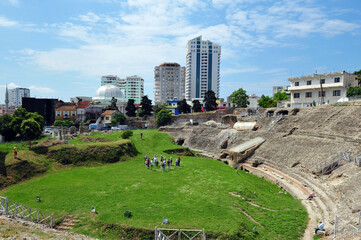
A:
195, 195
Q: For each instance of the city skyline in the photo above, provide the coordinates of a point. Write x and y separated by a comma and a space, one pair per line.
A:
61, 49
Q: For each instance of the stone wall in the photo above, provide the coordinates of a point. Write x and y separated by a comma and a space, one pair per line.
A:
203, 116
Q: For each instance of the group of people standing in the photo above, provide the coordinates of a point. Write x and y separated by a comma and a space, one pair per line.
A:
162, 162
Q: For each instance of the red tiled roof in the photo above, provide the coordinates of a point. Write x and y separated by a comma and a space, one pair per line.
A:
65, 107
109, 112
83, 104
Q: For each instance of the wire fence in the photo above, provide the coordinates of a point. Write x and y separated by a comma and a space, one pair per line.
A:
11, 208
169, 234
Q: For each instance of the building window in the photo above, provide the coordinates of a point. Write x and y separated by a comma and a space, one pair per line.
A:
66, 114
308, 94
322, 81
337, 80
323, 93
106, 118
297, 84
73, 113
296, 95
336, 92
58, 113
309, 82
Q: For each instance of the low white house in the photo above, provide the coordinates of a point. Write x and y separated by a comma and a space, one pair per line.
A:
320, 88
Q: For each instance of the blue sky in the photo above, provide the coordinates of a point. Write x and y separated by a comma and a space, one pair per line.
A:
61, 48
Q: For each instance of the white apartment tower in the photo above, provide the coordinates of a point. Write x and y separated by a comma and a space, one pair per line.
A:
16, 96
134, 88
169, 81
203, 63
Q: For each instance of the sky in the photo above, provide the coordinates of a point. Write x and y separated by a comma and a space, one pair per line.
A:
61, 48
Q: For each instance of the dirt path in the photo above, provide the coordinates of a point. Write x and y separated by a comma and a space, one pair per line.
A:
296, 189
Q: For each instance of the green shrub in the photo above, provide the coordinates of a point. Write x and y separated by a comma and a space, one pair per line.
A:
127, 134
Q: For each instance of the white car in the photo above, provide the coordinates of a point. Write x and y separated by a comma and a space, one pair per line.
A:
48, 130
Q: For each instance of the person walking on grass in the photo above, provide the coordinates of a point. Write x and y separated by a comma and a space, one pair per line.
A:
15, 152
141, 136
156, 162
179, 161
171, 160
147, 163
162, 165
151, 165
168, 163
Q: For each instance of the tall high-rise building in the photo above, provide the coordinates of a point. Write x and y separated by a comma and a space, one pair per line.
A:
169, 80
109, 79
16, 95
203, 63
133, 86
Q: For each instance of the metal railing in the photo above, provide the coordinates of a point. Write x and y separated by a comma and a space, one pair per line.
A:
11, 208
358, 160
169, 234
326, 167
347, 224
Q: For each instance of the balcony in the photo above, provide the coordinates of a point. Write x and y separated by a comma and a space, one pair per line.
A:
316, 86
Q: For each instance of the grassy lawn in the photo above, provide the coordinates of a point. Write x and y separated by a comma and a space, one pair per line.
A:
195, 195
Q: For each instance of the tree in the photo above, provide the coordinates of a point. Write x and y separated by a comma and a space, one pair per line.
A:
266, 102
358, 73
146, 104
280, 96
240, 98
197, 107
210, 100
18, 117
30, 129
113, 105
183, 107
157, 108
353, 91
119, 118
164, 117
5, 128
130, 108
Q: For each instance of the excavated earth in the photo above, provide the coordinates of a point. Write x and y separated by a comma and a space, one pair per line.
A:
295, 146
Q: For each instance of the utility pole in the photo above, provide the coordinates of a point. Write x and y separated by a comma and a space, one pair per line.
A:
321, 93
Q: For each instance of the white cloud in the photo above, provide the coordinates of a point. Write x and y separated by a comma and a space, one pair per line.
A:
89, 17
228, 71
14, 2
41, 90
4, 22
10, 86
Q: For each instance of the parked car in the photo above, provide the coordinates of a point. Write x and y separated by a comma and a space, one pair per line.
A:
48, 130
115, 128
104, 128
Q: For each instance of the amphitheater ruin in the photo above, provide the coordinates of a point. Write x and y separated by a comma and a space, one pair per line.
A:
299, 149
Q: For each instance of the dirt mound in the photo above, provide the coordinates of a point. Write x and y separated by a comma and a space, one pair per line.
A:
20, 171
92, 153
94, 139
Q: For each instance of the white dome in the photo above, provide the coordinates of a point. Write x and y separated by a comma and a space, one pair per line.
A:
107, 92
